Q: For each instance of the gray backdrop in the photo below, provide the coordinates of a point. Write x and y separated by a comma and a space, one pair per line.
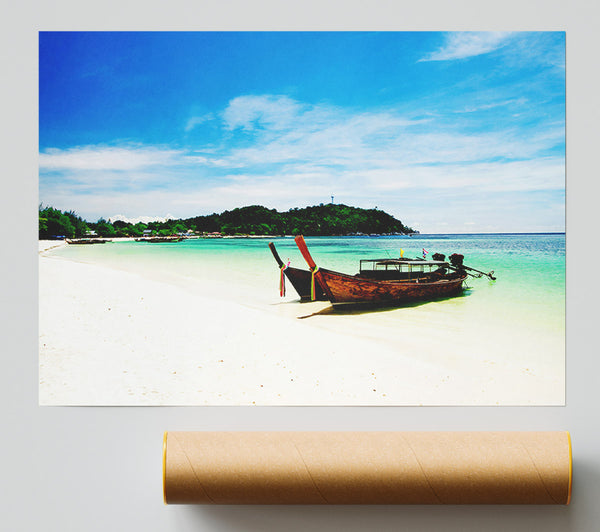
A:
95, 469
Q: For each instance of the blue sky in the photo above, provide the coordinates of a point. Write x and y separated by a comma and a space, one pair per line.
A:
449, 132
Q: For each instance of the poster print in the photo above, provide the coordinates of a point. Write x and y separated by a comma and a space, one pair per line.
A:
169, 161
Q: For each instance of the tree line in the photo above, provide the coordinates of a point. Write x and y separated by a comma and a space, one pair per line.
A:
319, 220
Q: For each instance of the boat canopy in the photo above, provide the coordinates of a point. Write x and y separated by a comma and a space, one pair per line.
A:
406, 265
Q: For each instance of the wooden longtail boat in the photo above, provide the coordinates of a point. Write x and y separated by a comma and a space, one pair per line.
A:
300, 279
412, 281
87, 240
158, 239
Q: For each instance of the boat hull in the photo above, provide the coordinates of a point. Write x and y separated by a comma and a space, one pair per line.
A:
159, 240
343, 289
301, 281
87, 241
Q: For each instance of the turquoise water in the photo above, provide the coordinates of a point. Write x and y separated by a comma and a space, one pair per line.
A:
530, 268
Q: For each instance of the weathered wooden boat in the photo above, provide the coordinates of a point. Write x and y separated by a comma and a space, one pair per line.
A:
301, 279
388, 281
87, 240
158, 239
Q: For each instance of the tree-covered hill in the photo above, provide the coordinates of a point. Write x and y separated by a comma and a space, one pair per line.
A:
321, 220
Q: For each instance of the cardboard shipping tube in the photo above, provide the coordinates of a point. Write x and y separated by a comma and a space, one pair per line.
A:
367, 467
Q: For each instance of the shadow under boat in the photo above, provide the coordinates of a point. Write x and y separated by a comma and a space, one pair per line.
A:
358, 308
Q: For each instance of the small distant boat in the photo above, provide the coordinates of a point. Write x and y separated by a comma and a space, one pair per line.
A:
157, 239
301, 279
391, 281
88, 240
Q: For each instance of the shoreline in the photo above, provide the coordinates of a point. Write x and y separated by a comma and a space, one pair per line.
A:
47, 245
111, 336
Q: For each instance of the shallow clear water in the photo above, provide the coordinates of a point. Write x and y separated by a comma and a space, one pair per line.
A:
530, 268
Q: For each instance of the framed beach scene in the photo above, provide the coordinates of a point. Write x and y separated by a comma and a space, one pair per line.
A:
302, 218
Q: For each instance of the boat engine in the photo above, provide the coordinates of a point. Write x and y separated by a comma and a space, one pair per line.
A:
456, 259
438, 256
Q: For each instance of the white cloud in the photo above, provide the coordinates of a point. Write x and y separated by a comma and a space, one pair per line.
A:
317, 134
487, 193
477, 107
545, 48
106, 158
137, 219
248, 112
302, 156
546, 174
194, 121
461, 45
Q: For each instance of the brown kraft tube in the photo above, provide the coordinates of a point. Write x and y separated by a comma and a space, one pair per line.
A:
367, 468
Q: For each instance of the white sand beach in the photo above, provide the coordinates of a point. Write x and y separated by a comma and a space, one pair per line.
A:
113, 337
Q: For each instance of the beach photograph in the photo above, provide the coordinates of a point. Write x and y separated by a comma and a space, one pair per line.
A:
302, 218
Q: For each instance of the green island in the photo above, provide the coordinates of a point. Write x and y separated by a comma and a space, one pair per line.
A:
255, 220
